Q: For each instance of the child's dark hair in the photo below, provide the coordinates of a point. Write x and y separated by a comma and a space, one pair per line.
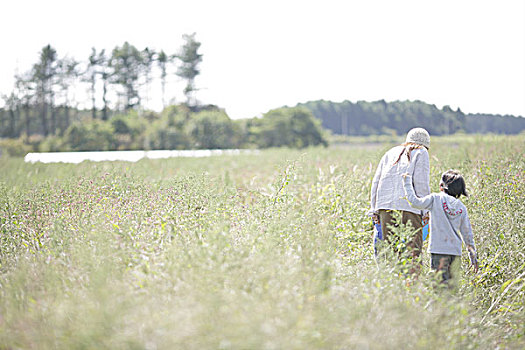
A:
453, 184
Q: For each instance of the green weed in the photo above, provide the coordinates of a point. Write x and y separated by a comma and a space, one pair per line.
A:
266, 251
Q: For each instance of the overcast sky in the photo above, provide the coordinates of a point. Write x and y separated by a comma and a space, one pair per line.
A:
260, 55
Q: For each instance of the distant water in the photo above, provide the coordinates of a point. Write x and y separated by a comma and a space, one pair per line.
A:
129, 156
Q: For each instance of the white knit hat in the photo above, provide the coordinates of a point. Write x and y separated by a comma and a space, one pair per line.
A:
419, 136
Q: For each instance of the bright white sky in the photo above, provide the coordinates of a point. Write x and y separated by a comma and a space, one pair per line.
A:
260, 55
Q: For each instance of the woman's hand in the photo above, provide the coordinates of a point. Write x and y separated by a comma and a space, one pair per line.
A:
426, 217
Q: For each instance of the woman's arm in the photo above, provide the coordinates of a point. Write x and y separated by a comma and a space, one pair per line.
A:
375, 183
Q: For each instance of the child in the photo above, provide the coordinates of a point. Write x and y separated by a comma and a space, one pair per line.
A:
449, 222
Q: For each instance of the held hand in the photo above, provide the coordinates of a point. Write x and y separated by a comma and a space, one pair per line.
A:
426, 217
404, 175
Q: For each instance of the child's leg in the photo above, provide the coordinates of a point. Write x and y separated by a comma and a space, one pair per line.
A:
443, 263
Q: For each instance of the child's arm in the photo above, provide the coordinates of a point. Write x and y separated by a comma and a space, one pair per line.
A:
468, 239
421, 179
421, 175
415, 202
473, 256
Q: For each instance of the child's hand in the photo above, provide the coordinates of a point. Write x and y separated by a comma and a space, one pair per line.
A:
404, 175
476, 267
473, 258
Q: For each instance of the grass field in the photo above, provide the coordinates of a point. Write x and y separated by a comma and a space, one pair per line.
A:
266, 251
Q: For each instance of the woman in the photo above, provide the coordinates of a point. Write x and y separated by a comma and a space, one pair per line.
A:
387, 193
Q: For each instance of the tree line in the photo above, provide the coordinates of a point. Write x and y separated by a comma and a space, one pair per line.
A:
42, 112
43, 100
381, 117
178, 127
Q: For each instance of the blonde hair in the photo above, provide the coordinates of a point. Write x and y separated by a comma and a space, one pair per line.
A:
408, 147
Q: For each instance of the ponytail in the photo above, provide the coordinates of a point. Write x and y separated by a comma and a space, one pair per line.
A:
408, 148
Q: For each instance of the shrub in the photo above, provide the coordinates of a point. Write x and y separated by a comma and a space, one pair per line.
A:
291, 127
130, 129
94, 135
14, 147
212, 130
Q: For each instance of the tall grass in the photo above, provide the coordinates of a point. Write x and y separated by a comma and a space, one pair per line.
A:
267, 251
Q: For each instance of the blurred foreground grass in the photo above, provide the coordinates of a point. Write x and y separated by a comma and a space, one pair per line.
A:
267, 251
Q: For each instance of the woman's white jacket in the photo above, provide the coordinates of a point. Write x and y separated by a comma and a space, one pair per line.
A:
387, 186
